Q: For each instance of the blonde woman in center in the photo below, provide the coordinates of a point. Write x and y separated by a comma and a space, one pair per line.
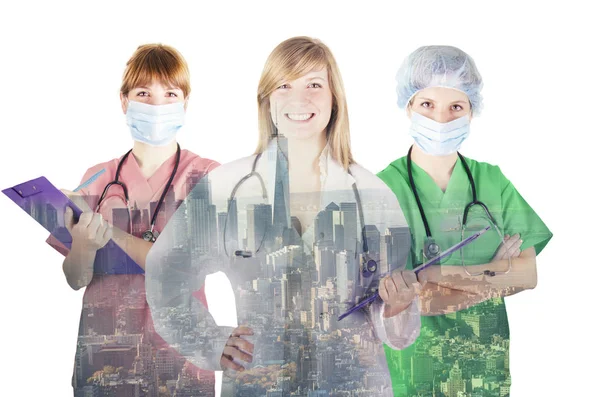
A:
295, 235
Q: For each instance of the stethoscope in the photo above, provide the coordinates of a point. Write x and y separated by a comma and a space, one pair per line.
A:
368, 265
149, 235
431, 249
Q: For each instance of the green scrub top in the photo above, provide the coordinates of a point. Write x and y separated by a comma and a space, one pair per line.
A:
467, 350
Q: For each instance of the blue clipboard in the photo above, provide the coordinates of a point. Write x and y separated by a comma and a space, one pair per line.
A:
46, 204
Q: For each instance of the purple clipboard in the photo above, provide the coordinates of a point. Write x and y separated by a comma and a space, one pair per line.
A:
46, 204
373, 297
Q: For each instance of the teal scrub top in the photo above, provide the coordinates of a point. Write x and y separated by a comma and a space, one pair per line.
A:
466, 350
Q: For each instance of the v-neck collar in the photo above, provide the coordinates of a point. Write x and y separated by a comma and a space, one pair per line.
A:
135, 180
429, 191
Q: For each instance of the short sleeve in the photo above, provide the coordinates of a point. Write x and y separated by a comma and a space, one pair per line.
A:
519, 217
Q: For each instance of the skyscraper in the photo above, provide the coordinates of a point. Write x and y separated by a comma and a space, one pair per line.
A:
455, 383
136, 220
325, 262
349, 222
421, 368
396, 244
324, 223
278, 165
213, 237
120, 219
326, 365
199, 215
373, 240
341, 265
51, 218
221, 219
338, 237
259, 224
291, 291
232, 225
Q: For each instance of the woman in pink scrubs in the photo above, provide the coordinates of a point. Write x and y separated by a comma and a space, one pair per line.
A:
118, 351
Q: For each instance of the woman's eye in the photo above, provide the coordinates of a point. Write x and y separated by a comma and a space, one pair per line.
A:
315, 85
284, 86
142, 93
457, 108
172, 94
427, 105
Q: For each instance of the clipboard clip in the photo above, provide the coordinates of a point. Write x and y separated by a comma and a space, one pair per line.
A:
27, 189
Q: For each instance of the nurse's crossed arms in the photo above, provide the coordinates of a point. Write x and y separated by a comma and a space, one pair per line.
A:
398, 291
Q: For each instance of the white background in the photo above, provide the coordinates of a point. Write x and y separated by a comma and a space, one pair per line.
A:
61, 67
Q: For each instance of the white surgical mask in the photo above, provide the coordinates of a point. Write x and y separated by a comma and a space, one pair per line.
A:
439, 139
155, 125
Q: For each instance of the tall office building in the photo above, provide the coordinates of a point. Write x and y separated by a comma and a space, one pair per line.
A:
306, 365
258, 224
455, 383
213, 236
136, 220
338, 237
341, 264
192, 179
350, 224
145, 220
278, 170
232, 225
120, 219
199, 215
221, 219
165, 363
373, 240
421, 368
180, 236
285, 384
326, 365
291, 292
395, 247
324, 223
51, 218
483, 326
325, 262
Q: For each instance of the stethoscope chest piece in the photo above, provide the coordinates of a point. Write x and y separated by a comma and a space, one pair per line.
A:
149, 236
369, 267
430, 248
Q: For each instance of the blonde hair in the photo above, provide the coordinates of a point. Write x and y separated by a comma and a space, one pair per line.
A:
291, 60
156, 62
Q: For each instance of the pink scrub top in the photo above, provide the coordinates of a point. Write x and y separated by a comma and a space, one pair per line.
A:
116, 327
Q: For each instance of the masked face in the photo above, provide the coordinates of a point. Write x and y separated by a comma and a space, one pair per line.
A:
154, 113
440, 120
301, 108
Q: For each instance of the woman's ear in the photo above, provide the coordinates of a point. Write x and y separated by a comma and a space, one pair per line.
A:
124, 102
185, 103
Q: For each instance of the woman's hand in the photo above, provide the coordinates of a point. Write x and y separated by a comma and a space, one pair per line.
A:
237, 348
91, 232
511, 248
398, 291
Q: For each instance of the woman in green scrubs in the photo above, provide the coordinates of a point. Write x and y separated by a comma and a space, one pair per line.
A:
464, 341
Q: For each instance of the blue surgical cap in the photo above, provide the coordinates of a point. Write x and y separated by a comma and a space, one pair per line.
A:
439, 66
